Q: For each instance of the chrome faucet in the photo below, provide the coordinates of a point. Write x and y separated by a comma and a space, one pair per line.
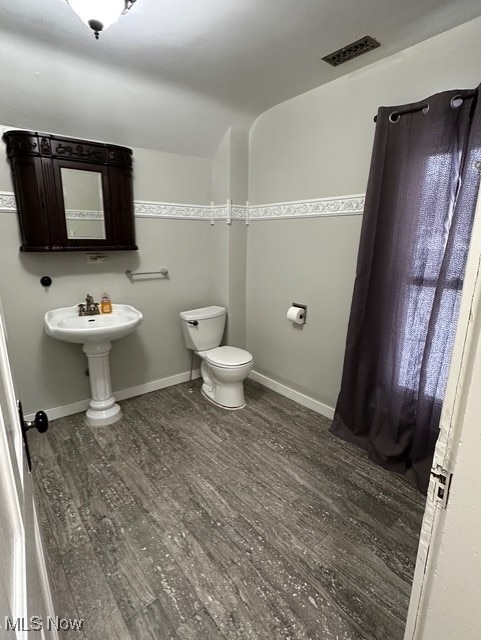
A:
89, 307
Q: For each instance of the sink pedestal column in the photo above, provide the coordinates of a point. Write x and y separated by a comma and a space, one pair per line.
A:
102, 409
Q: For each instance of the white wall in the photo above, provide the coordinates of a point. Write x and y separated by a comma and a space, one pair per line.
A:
309, 262
230, 181
171, 177
319, 145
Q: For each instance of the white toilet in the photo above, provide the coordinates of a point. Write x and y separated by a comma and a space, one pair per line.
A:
223, 369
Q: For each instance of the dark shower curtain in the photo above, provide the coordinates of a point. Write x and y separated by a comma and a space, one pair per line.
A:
418, 216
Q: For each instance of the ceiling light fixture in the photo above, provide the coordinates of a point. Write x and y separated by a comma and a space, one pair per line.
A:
100, 14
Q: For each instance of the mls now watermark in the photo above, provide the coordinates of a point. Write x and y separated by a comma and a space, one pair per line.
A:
36, 623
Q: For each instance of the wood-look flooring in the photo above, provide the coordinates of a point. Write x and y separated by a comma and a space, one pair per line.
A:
184, 521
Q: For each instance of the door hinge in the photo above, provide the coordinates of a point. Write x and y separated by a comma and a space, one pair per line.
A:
443, 480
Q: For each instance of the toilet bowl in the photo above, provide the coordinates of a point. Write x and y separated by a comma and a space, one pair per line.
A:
223, 369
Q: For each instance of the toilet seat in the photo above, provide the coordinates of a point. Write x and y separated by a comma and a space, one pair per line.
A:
228, 357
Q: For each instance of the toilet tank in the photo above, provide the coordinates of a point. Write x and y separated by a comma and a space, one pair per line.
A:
203, 328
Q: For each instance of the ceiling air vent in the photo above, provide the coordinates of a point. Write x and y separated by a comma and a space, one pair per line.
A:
350, 51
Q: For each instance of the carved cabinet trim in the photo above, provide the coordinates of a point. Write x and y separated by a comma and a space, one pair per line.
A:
36, 160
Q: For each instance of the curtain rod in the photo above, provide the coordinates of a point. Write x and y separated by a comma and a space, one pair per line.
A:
395, 115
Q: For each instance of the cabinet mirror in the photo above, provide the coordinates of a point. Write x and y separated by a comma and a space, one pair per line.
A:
72, 195
83, 201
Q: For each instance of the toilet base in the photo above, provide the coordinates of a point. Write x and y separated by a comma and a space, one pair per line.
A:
207, 392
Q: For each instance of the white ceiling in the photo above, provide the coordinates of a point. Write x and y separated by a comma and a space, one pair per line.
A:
174, 74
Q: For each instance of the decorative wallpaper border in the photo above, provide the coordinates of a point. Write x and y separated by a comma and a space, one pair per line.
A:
335, 206
84, 215
7, 202
145, 209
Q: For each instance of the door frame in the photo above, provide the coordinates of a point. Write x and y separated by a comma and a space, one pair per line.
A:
32, 594
466, 345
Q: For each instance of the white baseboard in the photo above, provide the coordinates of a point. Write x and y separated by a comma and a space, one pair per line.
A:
64, 410
131, 392
122, 394
306, 401
155, 385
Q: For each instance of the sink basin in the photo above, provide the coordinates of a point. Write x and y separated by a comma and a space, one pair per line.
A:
95, 333
65, 324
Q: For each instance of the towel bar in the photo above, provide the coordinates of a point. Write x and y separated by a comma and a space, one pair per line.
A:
161, 272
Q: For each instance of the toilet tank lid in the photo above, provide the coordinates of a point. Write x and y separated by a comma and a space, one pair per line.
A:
203, 313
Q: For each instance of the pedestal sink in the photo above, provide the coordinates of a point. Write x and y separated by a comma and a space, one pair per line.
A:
95, 333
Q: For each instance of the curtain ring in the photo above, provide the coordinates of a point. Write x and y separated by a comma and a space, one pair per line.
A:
395, 115
456, 102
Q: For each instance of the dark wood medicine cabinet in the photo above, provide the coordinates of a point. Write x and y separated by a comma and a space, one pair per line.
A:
72, 195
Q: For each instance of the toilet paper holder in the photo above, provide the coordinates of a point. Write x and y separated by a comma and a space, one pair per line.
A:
301, 306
